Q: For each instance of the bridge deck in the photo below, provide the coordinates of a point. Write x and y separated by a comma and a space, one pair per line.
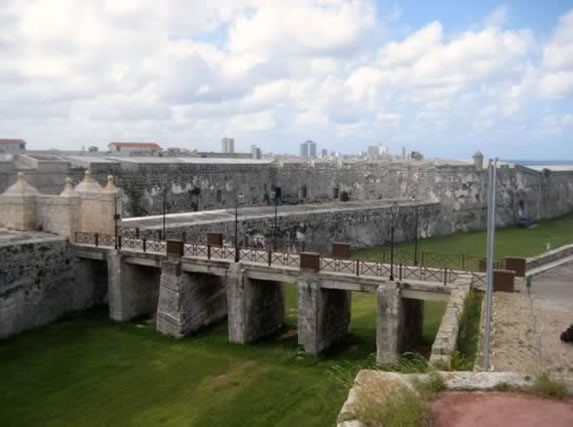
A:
412, 287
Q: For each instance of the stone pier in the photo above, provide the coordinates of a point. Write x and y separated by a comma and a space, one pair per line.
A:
398, 324
255, 307
133, 289
188, 301
323, 314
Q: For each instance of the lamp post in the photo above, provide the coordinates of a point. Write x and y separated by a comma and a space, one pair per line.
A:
415, 232
238, 199
275, 227
164, 210
393, 212
116, 217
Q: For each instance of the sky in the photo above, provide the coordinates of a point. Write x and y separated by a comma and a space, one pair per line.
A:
443, 78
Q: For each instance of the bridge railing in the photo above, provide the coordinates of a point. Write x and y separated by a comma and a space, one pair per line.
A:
397, 271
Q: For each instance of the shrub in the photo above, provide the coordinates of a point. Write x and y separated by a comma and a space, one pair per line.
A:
545, 386
391, 404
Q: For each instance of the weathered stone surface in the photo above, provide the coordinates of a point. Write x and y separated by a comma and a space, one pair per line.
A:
388, 319
447, 336
323, 314
41, 280
255, 307
372, 380
133, 289
188, 302
201, 184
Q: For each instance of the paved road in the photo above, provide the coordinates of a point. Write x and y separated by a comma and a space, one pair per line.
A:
219, 215
555, 285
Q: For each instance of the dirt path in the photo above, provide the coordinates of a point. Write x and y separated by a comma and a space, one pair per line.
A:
526, 335
462, 409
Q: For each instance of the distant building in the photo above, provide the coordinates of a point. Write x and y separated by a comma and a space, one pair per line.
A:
228, 145
377, 152
256, 152
134, 147
12, 146
308, 149
324, 153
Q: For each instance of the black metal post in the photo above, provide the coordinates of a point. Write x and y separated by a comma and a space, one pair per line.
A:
416, 237
236, 229
115, 218
275, 230
392, 249
164, 210
393, 212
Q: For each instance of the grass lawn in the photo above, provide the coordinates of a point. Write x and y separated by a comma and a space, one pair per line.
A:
89, 371
511, 241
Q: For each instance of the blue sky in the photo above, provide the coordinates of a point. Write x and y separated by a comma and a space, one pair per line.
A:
445, 78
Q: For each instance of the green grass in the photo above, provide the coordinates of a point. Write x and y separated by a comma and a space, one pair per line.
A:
467, 347
510, 241
90, 371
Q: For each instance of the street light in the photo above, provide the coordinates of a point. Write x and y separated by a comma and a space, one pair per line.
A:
275, 197
239, 199
164, 210
415, 231
116, 218
393, 212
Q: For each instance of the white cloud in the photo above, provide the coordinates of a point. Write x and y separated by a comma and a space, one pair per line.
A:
557, 80
263, 71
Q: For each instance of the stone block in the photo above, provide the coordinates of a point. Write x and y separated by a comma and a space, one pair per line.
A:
323, 315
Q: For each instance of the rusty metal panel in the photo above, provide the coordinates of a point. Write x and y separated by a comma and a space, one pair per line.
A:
310, 261
175, 248
341, 250
517, 264
503, 281
215, 239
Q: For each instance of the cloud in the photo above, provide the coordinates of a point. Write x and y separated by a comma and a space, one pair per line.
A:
557, 81
346, 72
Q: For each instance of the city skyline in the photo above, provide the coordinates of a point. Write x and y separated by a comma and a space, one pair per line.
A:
443, 79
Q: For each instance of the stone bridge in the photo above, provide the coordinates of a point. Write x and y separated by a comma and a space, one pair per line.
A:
188, 286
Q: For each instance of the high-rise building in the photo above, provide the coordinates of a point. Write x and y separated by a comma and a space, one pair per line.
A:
308, 149
324, 153
256, 152
228, 145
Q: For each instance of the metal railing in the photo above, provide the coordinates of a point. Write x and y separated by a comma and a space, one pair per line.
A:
269, 257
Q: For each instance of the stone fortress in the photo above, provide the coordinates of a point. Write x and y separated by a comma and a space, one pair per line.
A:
45, 272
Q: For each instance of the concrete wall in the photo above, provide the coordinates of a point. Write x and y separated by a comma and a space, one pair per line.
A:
40, 280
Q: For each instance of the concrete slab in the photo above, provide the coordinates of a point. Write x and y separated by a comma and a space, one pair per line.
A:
555, 285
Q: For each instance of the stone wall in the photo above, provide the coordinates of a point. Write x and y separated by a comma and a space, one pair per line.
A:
41, 280
201, 184
366, 226
87, 208
446, 339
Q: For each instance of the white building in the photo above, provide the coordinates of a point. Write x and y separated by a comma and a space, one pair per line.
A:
133, 147
12, 146
228, 145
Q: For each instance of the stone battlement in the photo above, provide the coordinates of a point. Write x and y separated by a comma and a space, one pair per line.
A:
88, 207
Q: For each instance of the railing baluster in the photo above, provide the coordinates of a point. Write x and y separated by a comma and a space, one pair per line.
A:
96, 238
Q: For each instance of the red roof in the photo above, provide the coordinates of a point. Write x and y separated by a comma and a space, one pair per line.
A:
137, 144
6, 141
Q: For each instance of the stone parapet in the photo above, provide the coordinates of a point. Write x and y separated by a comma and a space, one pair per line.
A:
447, 337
